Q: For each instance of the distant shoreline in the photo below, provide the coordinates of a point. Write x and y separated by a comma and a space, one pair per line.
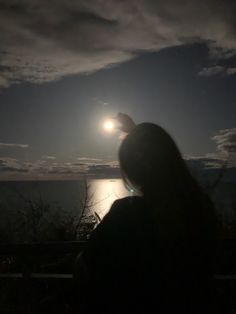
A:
60, 179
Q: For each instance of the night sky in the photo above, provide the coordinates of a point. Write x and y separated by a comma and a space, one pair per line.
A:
65, 66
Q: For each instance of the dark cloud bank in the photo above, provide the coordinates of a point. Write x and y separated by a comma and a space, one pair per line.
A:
45, 40
209, 165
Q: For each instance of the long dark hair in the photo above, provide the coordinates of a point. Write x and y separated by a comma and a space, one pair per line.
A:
151, 162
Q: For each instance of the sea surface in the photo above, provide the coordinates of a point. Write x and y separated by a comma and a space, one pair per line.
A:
68, 196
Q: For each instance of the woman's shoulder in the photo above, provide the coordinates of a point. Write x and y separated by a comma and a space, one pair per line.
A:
128, 201
125, 206
116, 226
122, 212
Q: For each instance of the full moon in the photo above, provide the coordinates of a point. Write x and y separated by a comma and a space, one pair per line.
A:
108, 125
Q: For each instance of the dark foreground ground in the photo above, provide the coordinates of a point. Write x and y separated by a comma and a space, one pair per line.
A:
38, 278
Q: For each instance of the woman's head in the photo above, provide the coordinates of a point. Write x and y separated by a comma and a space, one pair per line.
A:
149, 158
151, 162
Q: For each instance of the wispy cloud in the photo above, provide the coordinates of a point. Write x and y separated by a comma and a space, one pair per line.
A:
205, 162
211, 71
14, 145
89, 160
226, 140
231, 71
11, 166
44, 40
217, 70
104, 170
48, 166
48, 157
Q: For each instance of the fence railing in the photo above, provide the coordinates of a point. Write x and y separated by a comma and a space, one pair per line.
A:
24, 250
26, 254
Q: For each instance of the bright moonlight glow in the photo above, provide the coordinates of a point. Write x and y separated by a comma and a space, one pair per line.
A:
108, 125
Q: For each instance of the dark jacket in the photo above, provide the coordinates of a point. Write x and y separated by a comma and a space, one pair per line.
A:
134, 269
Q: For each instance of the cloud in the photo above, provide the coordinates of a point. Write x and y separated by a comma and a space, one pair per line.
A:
11, 166
14, 170
105, 171
89, 160
210, 71
47, 157
14, 145
8, 161
204, 162
217, 70
231, 71
226, 140
43, 41
225, 154
48, 167
63, 171
75, 169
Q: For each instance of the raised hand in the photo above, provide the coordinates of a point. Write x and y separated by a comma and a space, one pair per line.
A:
126, 123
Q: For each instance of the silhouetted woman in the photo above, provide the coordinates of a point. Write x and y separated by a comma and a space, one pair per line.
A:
152, 253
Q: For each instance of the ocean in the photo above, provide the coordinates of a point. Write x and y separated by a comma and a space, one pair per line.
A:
68, 196
65, 195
